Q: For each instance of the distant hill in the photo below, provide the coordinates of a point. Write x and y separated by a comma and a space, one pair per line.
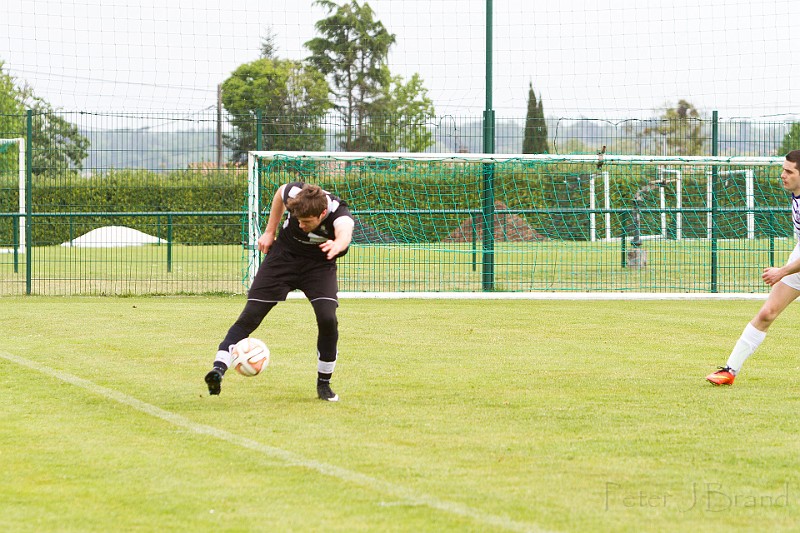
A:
150, 150
160, 150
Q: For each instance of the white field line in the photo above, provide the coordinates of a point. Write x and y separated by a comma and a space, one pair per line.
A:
406, 495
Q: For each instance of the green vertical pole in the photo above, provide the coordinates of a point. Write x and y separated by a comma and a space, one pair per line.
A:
771, 230
259, 146
474, 237
15, 232
28, 202
259, 131
169, 243
488, 168
714, 174
624, 244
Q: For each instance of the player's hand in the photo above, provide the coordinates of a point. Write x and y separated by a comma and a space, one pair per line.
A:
265, 242
331, 248
772, 275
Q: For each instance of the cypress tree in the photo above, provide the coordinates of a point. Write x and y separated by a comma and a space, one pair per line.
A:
541, 129
535, 140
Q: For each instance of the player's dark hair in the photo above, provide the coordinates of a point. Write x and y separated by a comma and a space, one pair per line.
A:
309, 202
794, 157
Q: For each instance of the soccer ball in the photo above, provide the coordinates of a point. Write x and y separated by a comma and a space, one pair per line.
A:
250, 356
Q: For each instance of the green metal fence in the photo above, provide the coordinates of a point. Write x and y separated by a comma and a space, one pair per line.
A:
171, 178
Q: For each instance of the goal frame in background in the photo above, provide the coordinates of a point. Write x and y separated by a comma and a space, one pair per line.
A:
668, 171
22, 191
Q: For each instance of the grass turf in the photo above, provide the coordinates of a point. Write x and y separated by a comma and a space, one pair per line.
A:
455, 415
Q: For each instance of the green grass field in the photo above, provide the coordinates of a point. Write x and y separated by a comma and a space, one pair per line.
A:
455, 416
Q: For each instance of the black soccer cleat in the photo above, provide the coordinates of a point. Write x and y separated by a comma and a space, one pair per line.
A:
214, 382
325, 393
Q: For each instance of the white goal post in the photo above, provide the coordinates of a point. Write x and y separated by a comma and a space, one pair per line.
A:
20, 142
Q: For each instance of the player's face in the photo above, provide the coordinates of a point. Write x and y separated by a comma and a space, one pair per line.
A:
791, 177
309, 224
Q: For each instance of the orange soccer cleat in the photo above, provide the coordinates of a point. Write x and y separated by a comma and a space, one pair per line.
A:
723, 376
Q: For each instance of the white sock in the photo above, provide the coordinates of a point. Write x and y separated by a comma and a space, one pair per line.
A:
750, 340
224, 356
325, 367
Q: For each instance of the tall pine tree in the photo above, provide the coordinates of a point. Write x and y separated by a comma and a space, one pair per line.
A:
535, 140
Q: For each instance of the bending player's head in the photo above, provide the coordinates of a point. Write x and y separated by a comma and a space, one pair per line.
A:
309, 207
309, 202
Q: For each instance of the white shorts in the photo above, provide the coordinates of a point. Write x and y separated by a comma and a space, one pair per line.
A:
793, 280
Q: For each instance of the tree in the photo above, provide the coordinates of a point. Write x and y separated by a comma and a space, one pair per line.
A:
292, 98
11, 108
380, 112
791, 141
535, 140
57, 144
269, 49
680, 130
400, 118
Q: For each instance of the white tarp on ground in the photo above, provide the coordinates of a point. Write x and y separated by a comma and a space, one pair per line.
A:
113, 237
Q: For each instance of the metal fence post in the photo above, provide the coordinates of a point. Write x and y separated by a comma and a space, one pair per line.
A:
28, 200
488, 168
713, 178
15, 241
169, 243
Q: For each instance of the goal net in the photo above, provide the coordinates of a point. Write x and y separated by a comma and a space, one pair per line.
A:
437, 223
12, 185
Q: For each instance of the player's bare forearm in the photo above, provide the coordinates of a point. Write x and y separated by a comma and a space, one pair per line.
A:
334, 247
276, 211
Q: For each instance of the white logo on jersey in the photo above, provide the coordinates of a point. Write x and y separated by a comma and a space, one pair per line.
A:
316, 239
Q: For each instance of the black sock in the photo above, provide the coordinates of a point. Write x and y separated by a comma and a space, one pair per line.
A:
222, 367
323, 378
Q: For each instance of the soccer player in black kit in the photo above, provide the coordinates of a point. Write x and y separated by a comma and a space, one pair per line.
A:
317, 230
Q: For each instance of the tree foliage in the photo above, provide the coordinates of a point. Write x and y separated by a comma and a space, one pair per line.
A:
11, 108
791, 141
380, 112
292, 98
680, 129
400, 122
535, 139
57, 144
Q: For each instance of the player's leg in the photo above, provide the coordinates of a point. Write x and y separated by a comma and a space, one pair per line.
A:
272, 283
782, 294
327, 339
320, 287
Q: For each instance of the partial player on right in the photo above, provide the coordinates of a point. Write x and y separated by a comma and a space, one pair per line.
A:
785, 283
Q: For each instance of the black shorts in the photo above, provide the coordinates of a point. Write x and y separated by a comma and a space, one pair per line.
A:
282, 272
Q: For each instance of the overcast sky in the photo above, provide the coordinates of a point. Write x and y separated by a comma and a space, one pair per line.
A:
586, 58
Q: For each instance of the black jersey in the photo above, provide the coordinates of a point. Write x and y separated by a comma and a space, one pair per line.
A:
307, 244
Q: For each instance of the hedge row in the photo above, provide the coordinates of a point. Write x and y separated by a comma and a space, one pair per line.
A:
432, 188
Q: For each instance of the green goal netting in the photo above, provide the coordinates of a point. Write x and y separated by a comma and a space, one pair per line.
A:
473, 222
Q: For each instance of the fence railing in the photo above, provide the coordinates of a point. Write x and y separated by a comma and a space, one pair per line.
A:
173, 179
173, 267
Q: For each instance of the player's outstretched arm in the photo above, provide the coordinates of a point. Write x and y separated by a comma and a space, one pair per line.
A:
343, 231
276, 212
